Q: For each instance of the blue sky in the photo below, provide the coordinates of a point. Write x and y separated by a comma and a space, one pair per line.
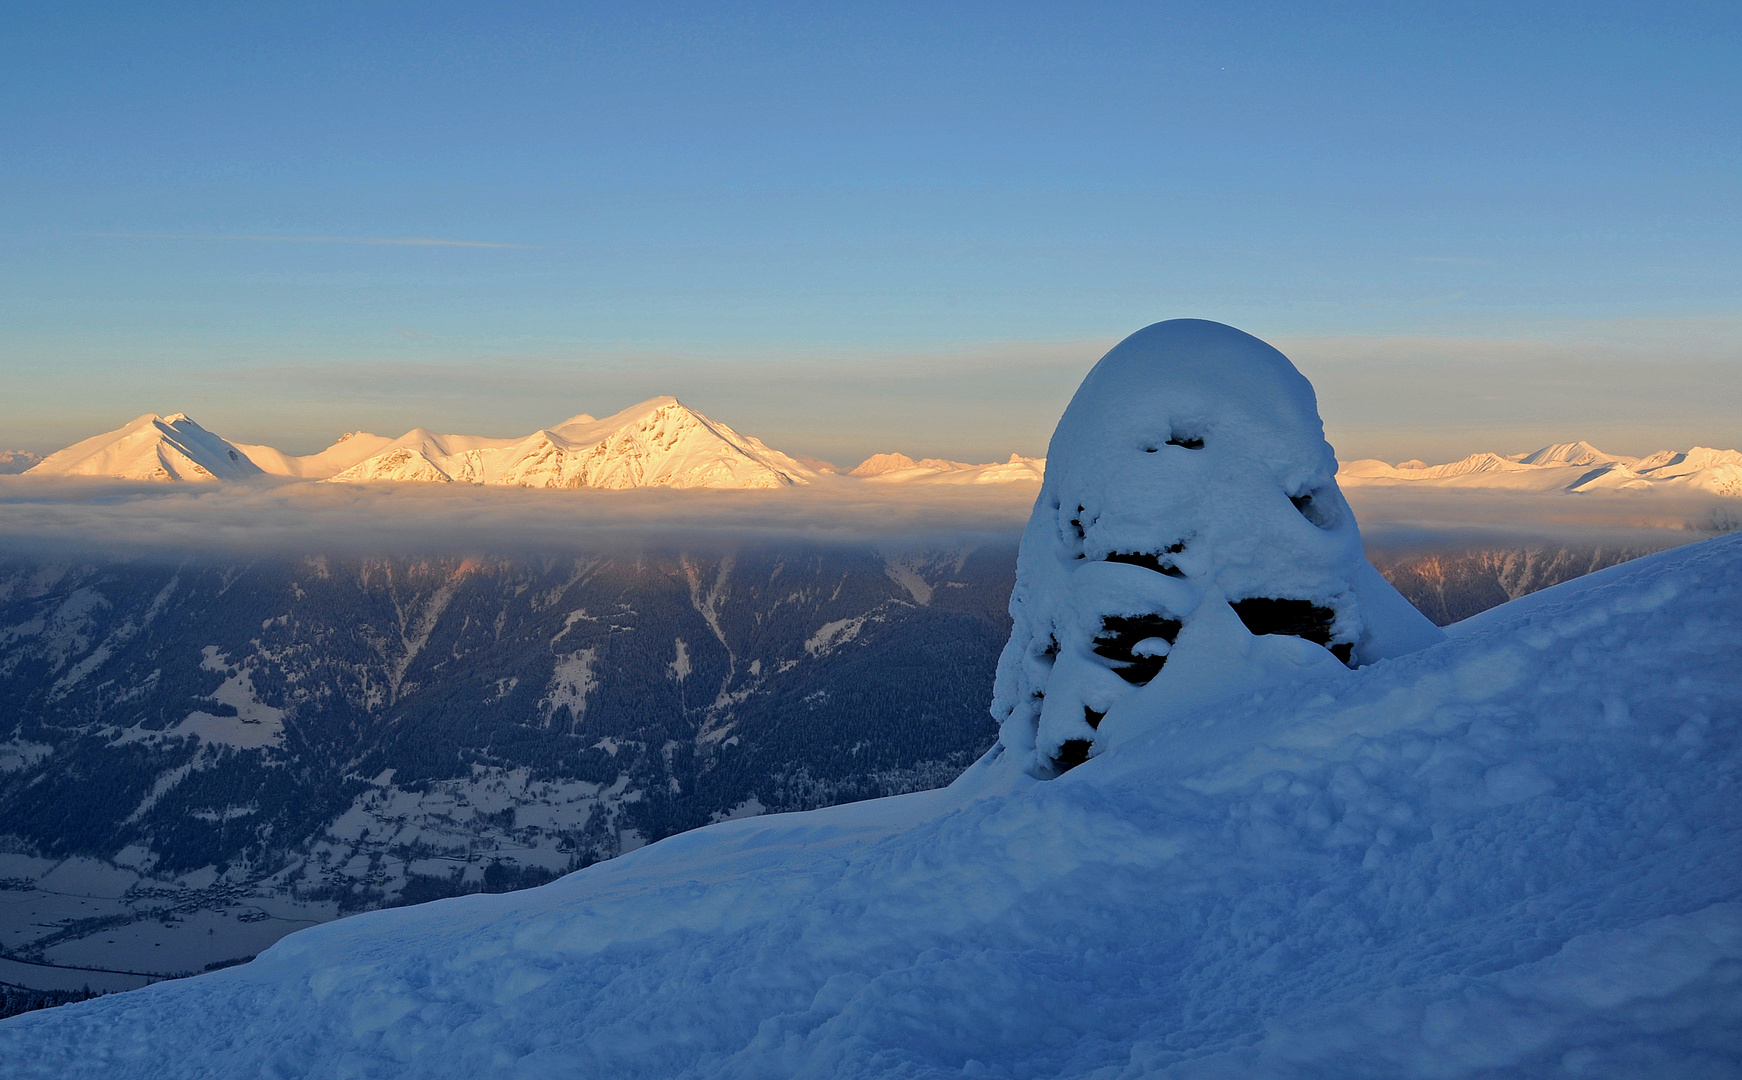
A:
848, 229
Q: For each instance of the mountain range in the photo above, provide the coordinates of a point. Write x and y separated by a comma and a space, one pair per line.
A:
1562, 467
657, 443
661, 442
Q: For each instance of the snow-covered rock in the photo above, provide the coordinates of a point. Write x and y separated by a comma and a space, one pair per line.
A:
1189, 532
152, 447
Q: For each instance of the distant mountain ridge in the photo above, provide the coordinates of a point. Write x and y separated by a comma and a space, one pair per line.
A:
657, 443
1562, 467
886, 468
661, 442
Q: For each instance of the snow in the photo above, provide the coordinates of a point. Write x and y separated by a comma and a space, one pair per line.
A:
1508, 852
1573, 453
152, 447
657, 443
832, 635
571, 681
1190, 480
1564, 468
251, 723
901, 469
19, 753
351, 448
1467, 861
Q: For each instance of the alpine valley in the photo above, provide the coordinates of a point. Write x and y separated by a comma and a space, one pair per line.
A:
202, 752
198, 758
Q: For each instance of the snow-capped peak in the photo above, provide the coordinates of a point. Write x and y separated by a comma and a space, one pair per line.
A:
152, 447
656, 443
899, 468
1565, 467
1573, 453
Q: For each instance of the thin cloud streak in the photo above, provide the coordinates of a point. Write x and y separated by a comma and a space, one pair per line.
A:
261, 238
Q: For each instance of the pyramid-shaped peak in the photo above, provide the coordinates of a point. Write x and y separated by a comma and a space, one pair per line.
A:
152, 447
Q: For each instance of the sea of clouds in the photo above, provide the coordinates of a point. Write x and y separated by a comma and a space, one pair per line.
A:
99, 518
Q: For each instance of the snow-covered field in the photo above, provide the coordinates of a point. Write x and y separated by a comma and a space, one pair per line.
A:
1512, 852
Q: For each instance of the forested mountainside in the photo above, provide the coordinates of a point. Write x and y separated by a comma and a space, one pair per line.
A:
1451, 585
337, 734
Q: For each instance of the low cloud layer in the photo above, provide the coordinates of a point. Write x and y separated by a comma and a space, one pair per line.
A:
95, 518
100, 518
1399, 518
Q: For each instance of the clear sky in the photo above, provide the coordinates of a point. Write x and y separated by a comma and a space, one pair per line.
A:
855, 228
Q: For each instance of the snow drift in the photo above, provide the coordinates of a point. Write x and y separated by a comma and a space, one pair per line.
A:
1511, 853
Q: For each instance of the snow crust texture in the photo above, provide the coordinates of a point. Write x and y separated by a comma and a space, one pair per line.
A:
1190, 505
1512, 854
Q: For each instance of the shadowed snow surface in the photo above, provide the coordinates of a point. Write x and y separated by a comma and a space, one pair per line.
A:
1512, 854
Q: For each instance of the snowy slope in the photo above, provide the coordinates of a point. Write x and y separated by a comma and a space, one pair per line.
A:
1563, 467
351, 448
152, 447
899, 468
1513, 854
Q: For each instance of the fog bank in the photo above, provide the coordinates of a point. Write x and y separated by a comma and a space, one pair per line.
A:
111, 518
104, 518
1400, 519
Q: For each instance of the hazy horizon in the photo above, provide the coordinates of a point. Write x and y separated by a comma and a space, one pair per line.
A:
847, 234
